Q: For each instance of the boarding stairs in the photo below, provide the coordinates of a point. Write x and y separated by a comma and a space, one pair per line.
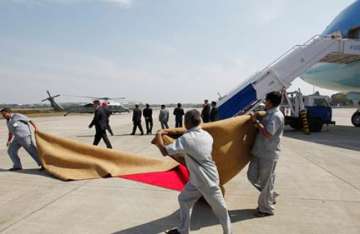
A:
279, 74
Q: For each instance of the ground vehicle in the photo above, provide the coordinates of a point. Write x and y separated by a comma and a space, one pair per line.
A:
315, 108
355, 118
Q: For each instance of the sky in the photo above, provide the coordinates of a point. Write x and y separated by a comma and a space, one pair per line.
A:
155, 51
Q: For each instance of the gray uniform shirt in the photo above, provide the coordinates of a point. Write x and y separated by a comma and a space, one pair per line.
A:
274, 124
196, 146
164, 115
18, 125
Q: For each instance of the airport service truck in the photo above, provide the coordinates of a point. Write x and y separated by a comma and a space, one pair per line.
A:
309, 113
355, 118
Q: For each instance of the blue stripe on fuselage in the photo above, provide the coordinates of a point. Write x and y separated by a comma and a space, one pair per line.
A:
238, 102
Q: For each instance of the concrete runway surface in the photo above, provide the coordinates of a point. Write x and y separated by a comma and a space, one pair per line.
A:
318, 179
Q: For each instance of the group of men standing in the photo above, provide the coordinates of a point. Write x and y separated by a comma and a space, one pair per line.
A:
164, 115
209, 113
102, 114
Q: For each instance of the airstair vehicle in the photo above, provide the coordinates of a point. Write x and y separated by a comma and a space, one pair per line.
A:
279, 74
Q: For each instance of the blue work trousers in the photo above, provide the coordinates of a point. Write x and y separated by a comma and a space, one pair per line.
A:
28, 145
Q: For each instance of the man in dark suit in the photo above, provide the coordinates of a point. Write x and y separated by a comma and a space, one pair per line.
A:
213, 112
136, 118
205, 113
179, 113
100, 120
108, 113
147, 113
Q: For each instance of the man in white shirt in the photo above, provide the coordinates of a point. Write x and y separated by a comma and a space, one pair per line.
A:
196, 147
261, 172
19, 136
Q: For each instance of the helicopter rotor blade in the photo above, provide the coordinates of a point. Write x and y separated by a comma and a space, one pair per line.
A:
118, 98
89, 97
96, 98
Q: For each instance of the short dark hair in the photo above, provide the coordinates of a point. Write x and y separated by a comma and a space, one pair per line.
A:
206, 100
136, 105
6, 109
162, 106
193, 117
179, 104
274, 97
147, 105
213, 103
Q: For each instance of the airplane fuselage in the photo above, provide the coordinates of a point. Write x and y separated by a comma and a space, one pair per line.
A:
339, 77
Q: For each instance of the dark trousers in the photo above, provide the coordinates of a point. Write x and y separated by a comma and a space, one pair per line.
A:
110, 130
178, 123
101, 134
205, 119
137, 124
149, 125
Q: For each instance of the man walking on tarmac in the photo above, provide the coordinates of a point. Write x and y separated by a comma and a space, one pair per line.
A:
101, 121
196, 146
108, 114
261, 171
19, 136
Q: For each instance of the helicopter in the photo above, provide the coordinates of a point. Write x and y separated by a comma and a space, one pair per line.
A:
108, 102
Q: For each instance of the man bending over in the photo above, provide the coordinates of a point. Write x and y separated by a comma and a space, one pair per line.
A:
196, 146
19, 136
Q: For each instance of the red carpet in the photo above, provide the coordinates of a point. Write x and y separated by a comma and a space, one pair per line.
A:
174, 179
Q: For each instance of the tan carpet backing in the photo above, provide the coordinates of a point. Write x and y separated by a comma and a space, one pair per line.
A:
69, 160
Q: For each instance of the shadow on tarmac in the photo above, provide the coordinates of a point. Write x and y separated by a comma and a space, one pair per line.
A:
117, 135
202, 216
86, 136
346, 137
34, 172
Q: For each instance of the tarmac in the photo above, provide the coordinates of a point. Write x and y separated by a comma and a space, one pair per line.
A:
318, 181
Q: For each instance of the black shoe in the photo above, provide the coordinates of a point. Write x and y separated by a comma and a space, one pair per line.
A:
15, 169
132, 134
172, 231
260, 214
